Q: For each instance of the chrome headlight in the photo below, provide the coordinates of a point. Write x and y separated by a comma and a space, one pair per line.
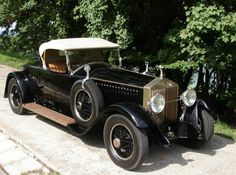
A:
157, 103
189, 97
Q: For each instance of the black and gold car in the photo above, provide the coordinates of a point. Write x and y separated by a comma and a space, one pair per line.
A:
72, 85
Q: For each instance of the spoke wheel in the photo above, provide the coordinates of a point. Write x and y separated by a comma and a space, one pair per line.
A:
126, 144
85, 102
15, 97
122, 141
83, 105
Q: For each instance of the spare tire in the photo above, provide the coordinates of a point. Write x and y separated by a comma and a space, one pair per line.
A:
85, 102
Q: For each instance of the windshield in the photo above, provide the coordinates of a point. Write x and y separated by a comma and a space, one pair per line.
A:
55, 60
80, 57
85, 56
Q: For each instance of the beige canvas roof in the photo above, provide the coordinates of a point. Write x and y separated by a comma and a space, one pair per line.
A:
76, 43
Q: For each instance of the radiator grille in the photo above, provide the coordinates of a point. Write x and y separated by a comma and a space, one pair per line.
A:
170, 91
169, 114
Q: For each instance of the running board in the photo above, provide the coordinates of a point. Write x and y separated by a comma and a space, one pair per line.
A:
50, 114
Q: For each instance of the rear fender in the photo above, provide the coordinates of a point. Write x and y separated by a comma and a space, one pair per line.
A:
135, 113
23, 84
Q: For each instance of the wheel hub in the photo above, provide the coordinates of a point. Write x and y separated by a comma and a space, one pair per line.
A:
116, 143
83, 105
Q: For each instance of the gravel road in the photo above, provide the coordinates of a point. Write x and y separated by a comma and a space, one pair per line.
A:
67, 154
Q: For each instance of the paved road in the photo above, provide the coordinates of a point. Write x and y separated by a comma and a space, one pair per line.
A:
54, 146
15, 159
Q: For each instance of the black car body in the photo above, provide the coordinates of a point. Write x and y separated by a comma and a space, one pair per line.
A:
137, 107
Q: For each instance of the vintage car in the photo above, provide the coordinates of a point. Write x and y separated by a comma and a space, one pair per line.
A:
73, 86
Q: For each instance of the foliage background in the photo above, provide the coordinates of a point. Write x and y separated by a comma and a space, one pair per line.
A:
186, 36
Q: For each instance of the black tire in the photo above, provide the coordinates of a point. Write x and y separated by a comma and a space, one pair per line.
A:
206, 122
129, 148
85, 103
15, 97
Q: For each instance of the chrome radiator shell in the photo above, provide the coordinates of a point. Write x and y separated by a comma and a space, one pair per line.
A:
170, 90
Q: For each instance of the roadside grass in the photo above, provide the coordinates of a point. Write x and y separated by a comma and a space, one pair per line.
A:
13, 60
224, 130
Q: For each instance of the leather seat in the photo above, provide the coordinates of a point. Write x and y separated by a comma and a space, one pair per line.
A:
58, 67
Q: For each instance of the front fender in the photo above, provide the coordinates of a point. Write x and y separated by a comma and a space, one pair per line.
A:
133, 112
191, 115
22, 82
190, 121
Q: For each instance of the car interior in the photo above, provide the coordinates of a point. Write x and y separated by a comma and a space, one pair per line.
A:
56, 60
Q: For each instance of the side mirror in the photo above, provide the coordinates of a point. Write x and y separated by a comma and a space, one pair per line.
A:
160, 67
147, 67
87, 68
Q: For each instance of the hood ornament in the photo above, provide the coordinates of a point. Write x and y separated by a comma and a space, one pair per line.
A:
160, 67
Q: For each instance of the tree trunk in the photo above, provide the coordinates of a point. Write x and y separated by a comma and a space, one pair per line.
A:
200, 79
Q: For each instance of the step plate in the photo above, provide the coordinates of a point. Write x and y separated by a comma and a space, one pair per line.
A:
50, 114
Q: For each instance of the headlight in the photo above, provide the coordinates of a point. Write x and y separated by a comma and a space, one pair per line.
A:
157, 103
189, 97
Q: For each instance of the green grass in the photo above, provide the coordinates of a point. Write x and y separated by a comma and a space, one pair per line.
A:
225, 130
13, 60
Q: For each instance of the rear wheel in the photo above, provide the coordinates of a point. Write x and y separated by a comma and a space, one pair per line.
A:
15, 97
206, 130
126, 144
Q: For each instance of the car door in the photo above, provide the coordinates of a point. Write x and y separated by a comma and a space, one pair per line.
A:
53, 86
57, 86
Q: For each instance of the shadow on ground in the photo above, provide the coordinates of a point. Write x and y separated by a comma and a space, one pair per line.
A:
159, 157
93, 138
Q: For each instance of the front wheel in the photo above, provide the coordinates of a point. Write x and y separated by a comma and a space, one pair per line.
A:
126, 144
206, 130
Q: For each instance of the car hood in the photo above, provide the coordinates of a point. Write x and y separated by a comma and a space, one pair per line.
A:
123, 76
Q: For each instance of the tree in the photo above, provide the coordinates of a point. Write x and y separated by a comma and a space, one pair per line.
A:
38, 21
184, 35
205, 40
106, 19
